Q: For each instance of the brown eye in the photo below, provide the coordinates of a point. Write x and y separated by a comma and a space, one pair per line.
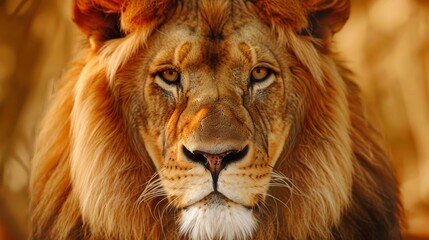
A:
169, 75
259, 74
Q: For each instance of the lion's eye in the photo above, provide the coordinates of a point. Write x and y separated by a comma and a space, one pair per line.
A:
260, 74
169, 76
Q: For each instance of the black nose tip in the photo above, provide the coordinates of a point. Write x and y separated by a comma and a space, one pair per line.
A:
215, 162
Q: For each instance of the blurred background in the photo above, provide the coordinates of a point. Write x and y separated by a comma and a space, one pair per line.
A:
385, 42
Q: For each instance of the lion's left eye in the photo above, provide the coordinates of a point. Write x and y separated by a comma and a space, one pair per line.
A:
260, 74
169, 76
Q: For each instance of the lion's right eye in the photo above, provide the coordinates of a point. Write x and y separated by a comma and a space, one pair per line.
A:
259, 74
169, 76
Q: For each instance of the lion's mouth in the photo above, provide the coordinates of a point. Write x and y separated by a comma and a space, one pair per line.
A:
212, 199
215, 199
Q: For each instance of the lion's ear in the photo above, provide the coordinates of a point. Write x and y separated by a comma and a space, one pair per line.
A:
318, 18
326, 17
102, 20
98, 19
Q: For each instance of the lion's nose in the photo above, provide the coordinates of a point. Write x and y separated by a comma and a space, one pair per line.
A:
215, 162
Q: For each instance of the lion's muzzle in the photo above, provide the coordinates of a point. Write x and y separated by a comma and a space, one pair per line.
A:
215, 162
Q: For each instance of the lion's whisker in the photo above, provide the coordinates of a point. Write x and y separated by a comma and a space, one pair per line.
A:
280, 180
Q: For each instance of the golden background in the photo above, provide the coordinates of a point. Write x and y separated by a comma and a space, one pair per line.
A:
385, 42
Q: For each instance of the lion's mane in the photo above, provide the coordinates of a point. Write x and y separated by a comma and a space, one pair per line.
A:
90, 166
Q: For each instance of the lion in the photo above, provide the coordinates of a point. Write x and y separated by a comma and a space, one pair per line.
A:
210, 119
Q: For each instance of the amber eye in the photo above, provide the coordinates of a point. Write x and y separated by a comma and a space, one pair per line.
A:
169, 75
260, 74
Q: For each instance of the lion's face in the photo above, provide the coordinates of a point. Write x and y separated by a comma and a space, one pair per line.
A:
214, 118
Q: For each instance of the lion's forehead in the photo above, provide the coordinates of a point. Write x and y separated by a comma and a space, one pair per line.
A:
220, 33
193, 49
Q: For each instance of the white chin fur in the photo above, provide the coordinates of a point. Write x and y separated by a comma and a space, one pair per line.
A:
217, 220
